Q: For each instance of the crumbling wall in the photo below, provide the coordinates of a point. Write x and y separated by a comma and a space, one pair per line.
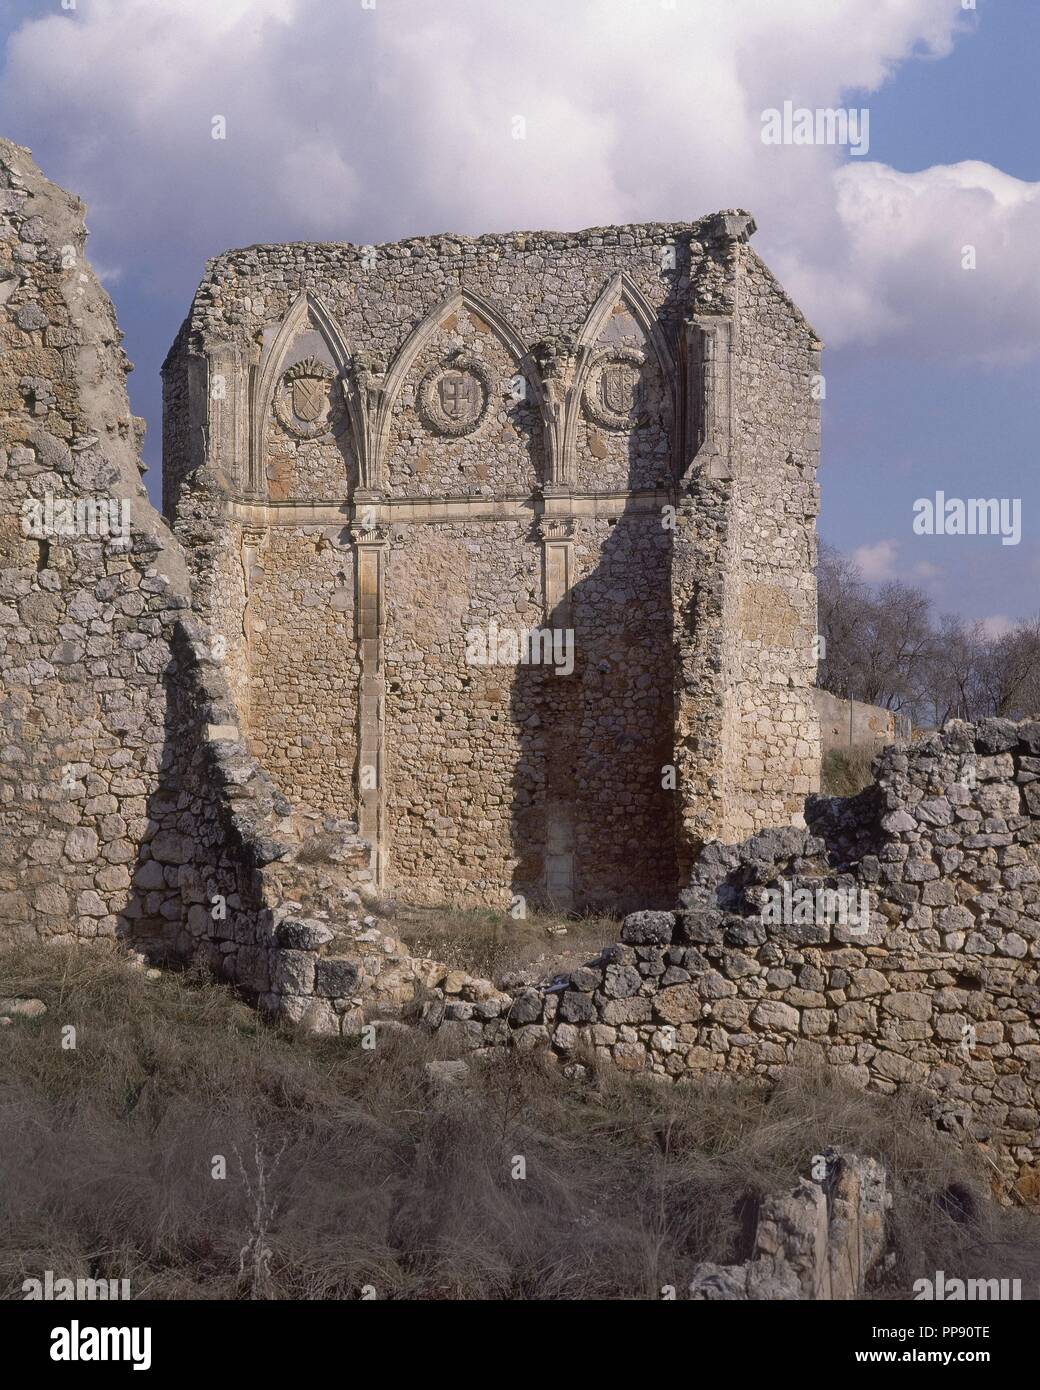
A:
895, 938
610, 434
743, 592
91, 584
129, 806
775, 741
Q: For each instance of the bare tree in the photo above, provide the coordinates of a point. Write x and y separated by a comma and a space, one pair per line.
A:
899, 645
878, 642
1013, 672
956, 680
842, 602
885, 646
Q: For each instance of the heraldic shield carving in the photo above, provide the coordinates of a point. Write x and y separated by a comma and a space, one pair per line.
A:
302, 402
613, 391
454, 396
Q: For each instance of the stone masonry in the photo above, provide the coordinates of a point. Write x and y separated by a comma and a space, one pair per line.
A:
935, 985
134, 806
385, 463
129, 806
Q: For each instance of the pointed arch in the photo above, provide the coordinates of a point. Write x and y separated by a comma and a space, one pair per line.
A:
420, 336
308, 308
619, 289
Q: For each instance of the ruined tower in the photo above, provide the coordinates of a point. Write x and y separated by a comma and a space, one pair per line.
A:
508, 542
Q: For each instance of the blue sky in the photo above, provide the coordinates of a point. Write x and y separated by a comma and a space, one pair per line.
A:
369, 124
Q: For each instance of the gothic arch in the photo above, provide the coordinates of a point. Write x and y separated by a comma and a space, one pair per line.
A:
308, 308
619, 289
394, 381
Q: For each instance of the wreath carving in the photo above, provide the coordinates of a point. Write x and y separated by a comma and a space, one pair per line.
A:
301, 402
455, 395
612, 388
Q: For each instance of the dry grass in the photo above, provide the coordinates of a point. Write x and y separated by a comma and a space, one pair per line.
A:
345, 1170
846, 771
489, 943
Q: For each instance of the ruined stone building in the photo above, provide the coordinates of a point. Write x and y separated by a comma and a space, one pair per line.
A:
373, 455
390, 465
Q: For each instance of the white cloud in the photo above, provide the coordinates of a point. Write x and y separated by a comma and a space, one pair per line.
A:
358, 124
876, 563
906, 240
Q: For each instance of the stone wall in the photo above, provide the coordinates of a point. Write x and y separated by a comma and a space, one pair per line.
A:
851, 724
894, 935
129, 805
920, 970
371, 453
743, 594
91, 584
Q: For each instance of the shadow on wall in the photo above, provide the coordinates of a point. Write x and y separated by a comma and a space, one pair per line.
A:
196, 889
594, 803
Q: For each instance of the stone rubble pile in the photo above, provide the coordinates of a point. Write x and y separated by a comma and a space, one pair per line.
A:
934, 986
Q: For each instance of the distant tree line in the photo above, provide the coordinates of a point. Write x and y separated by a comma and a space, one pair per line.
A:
887, 646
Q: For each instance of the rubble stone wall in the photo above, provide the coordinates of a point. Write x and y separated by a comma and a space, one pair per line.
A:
132, 804
928, 977
91, 584
130, 807
937, 988
371, 452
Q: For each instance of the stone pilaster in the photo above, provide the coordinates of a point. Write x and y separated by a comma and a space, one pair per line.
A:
370, 548
227, 416
557, 535
709, 395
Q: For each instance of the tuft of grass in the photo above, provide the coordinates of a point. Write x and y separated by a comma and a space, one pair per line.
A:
186, 1146
488, 943
846, 771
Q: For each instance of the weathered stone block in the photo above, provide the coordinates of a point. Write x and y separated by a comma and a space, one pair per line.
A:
679, 1004
648, 928
775, 1017
335, 978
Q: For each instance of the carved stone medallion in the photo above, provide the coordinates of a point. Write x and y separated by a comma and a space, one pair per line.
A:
613, 389
302, 401
454, 396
